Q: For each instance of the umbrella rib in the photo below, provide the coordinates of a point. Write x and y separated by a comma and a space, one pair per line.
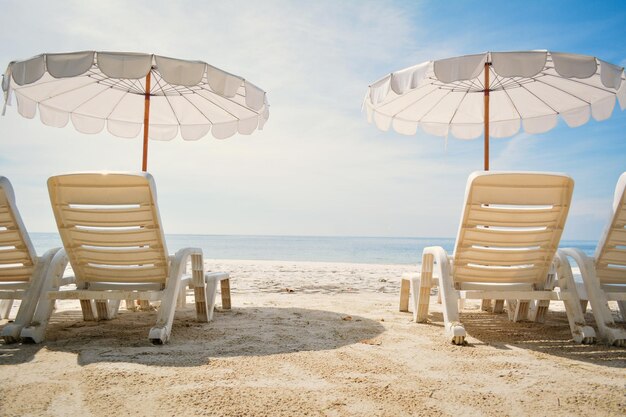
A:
62, 92
513, 103
226, 98
578, 82
563, 91
158, 85
413, 102
222, 108
539, 98
414, 90
457, 107
435, 105
115, 106
194, 105
88, 100
197, 108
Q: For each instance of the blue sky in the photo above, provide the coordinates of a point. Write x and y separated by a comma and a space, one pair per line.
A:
318, 167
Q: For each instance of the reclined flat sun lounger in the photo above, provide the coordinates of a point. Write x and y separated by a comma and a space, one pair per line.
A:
22, 272
112, 236
505, 248
604, 274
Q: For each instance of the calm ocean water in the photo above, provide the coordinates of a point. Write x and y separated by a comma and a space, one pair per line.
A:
369, 250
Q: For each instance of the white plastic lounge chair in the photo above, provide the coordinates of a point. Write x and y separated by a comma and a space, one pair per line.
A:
112, 235
604, 274
509, 233
22, 272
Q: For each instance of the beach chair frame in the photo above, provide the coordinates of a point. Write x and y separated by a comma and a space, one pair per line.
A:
112, 236
505, 250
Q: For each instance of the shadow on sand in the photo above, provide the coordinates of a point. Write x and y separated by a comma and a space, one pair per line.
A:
552, 337
253, 331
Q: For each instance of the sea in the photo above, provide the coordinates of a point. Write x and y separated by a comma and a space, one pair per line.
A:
366, 250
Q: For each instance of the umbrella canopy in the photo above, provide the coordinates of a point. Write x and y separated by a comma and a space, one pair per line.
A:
529, 90
128, 91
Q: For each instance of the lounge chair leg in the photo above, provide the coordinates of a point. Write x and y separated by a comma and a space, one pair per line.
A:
87, 306
409, 288
5, 308
518, 310
203, 314
405, 289
30, 299
621, 305
225, 290
450, 297
511, 306
581, 333
211, 295
181, 301
498, 306
35, 331
540, 311
420, 314
485, 305
102, 309
160, 333
144, 305
107, 309
521, 314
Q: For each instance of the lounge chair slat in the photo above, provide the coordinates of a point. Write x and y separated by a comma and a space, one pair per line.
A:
513, 217
14, 256
149, 274
519, 195
614, 256
73, 191
108, 238
10, 238
108, 218
486, 237
116, 257
502, 257
16, 274
484, 275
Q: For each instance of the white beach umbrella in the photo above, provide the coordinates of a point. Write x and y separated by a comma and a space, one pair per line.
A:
128, 91
529, 89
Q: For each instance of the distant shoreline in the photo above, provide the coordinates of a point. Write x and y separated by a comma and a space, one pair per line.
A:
333, 249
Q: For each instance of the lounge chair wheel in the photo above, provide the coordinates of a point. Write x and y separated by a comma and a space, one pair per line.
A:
9, 339
458, 340
585, 335
158, 335
11, 333
457, 331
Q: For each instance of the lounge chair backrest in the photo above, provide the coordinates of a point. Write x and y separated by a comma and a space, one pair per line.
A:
610, 253
17, 254
511, 227
110, 227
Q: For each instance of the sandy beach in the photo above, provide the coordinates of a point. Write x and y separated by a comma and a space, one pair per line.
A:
311, 339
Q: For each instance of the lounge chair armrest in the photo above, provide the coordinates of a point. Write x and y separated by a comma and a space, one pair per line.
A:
438, 259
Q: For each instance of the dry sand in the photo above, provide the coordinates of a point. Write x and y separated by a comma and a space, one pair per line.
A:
311, 339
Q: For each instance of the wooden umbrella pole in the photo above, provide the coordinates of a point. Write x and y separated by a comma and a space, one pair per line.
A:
487, 116
146, 124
